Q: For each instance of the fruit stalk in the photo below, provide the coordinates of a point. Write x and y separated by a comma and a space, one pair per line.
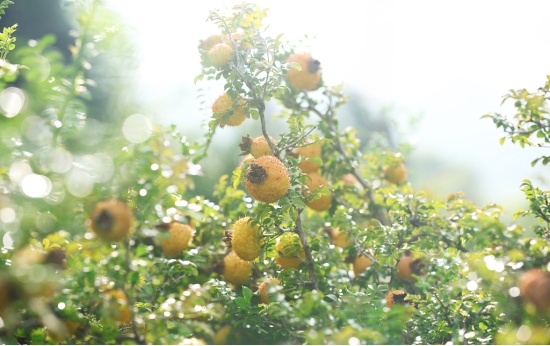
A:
307, 250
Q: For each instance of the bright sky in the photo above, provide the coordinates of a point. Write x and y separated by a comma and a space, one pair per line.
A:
449, 61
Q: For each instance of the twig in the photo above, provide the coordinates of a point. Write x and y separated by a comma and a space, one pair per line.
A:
131, 301
307, 250
443, 306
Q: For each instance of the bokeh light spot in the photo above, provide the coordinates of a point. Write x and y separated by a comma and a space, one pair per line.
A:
79, 183
7, 215
137, 128
12, 101
36, 186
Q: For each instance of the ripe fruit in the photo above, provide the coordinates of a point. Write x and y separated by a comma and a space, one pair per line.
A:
235, 270
228, 112
408, 265
256, 146
396, 173
267, 288
220, 54
309, 78
360, 264
321, 203
267, 179
338, 237
210, 42
349, 179
117, 305
111, 220
395, 297
534, 286
309, 151
291, 253
246, 241
176, 238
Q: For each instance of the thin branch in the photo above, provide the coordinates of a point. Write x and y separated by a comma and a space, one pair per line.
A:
450, 323
131, 301
307, 250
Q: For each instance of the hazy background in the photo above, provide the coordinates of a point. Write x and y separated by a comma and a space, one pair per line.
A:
442, 64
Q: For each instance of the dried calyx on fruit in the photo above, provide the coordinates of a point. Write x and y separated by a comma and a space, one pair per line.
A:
267, 179
409, 266
111, 220
308, 78
256, 146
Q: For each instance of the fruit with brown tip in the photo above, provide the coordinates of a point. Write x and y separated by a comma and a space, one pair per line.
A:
256, 146
235, 270
229, 112
111, 220
407, 266
267, 179
308, 78
175, 238
395, 297
246, 240
338, 237
291, 252
322, 203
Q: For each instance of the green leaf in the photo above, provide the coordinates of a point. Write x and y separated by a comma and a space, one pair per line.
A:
247, 294
254, 113
133, 278
241, 303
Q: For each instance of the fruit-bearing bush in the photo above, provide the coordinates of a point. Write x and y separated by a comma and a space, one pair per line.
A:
310, 239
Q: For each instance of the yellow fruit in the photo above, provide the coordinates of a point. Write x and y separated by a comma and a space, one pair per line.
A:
321, 203
360, 264
220, 338
267, 179
534, 286
407, 266
395, 297
111, 220
210, 42
28, 261
220, 54
396, 173
339, 238
117, 305
176, 239
228, 112
309, 78
235, 270
267, 288
309, 151
291, 253
256, 146
246, 241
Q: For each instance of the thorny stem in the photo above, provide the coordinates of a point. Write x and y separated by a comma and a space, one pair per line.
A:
379, 212
131, 301
307, 250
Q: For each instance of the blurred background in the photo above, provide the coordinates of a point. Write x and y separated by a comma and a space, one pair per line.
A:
423, 72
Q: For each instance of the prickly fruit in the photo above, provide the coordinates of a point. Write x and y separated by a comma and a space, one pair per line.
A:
210, 42
118, 307
309, 78
291, 253
267, 288
228, 112
338, 237
235, 270
360, 264
111, 220
396, 173
408, 265
312, 150
256, 146
176, 239
395, 297
267, 179
220, 54
246, 241
322, 203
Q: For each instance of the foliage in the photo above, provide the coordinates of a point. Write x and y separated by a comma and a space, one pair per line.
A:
56, 163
